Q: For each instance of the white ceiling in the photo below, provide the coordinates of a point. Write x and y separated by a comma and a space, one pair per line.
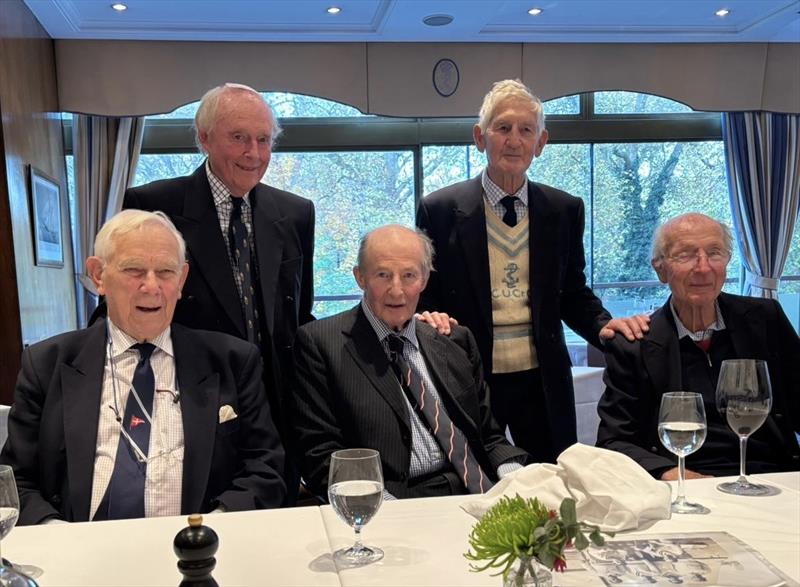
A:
613, 21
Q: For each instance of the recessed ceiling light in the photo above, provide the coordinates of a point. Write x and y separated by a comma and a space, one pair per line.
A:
119, 7
334, 10
722, 12
438, 20
535, 11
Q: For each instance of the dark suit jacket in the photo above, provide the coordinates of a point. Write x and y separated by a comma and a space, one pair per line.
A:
347, 396
283, 224
454, 218
639, 373
52, 426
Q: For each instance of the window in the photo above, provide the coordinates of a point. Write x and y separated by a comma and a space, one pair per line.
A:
634, 159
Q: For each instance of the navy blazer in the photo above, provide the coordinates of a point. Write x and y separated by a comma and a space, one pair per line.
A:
455, 219
347, 396
283, 224
638, 373
52, 426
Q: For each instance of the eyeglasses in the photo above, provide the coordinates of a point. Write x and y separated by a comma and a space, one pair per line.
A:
715, 257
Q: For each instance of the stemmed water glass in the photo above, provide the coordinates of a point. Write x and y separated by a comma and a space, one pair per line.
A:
355, 490
682, 430
744, 399
9, 512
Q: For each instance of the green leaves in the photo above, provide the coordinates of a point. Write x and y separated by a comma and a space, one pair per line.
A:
518, 528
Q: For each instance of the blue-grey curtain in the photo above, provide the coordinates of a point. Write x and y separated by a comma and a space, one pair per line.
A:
106, 153
762, 151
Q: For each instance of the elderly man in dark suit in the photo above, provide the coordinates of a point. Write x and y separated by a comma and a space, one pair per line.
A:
136, 416
373, 377
250, 246
509, 265
690, 336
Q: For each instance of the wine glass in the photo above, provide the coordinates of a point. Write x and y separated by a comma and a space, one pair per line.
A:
355, 490
9, 512
682, 430
744, 398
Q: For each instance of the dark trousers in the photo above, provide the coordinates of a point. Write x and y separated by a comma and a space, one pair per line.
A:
437, 484
518, 402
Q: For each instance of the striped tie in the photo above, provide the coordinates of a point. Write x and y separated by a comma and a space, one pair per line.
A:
450, 438
242, 261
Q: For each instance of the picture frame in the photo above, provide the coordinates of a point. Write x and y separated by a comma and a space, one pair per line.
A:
48, 236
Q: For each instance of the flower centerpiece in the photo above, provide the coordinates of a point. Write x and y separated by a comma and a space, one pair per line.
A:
523, 531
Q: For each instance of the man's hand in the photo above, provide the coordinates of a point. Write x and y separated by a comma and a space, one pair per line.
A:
439, 320
672, 475
632, 327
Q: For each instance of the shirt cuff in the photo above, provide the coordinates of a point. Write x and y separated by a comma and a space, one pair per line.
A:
388, 496
507, 468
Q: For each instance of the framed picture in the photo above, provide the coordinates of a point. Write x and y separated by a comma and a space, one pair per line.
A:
48, 239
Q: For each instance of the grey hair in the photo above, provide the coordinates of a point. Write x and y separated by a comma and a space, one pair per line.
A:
206, 114
662, 237
105, 243
424, 240
505, 90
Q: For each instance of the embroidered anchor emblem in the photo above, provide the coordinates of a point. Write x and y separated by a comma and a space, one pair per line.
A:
510, 270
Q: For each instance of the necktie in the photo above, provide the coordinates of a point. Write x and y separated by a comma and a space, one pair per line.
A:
510, 217
704, 344
240, 252
124, 497
450, 438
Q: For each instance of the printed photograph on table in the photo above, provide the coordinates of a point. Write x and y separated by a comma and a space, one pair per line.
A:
48, 241
692, 559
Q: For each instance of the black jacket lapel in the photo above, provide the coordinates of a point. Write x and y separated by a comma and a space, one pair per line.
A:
268, 224
82, 387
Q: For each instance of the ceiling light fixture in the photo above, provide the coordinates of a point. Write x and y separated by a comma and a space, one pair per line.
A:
438, 20
333, 10
722, 12
119, 7
535, 11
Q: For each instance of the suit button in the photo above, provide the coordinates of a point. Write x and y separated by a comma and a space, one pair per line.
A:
653, 449
453, 292
289, 299
777, 416
55, 500
553, 337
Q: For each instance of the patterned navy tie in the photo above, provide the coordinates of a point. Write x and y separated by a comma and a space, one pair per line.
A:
450, 438
242, 260
510, 217
125, 495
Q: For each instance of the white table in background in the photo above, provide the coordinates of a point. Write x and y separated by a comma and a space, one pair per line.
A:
588, 384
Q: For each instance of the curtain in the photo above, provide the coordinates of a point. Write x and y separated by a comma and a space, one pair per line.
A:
762, 152
106, 153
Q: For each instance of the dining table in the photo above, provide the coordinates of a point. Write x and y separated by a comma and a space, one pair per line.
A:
424, 542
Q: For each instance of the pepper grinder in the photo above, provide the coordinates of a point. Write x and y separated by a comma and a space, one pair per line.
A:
195, 546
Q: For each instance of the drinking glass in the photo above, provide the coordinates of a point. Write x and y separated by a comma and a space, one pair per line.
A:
682, 430
744, 398
9, 512
355, 490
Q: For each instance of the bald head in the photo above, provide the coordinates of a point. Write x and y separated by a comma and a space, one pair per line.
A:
691, 223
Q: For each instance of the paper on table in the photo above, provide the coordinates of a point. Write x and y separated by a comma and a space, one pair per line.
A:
610, 489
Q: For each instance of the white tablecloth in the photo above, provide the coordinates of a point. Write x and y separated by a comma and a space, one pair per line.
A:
424, 541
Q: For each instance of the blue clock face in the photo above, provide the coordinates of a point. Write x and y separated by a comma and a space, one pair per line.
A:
445, 77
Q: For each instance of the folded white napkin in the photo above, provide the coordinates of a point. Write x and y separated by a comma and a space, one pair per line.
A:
610, 489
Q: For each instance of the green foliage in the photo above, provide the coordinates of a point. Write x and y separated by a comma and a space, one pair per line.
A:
517, 528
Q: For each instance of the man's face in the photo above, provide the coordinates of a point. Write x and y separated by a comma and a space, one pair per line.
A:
693, 268
142, 281
239, 144
511, 139
392, 277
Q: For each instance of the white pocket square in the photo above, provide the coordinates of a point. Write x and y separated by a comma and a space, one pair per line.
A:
226, 413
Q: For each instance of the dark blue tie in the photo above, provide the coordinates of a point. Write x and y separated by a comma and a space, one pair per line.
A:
125, 495
510, 217
242, 263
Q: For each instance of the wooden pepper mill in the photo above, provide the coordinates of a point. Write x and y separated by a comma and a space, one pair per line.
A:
195, 546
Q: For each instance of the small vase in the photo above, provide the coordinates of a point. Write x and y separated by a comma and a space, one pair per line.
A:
529, 572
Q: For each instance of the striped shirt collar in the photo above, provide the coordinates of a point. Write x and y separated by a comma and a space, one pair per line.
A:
495, 193
700, 335
219, 190
409, 331
121, 342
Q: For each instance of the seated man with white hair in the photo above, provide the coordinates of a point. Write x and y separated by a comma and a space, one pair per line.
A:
136, 416
690, 335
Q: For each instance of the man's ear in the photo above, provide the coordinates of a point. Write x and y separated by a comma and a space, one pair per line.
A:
184, 275
541, 142
479, 138
360, 280
658, 267
94, 268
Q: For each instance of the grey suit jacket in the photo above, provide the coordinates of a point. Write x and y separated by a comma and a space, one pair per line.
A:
348, 397
52, 426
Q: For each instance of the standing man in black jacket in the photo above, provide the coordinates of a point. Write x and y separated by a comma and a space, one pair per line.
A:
254, 283
509, 265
